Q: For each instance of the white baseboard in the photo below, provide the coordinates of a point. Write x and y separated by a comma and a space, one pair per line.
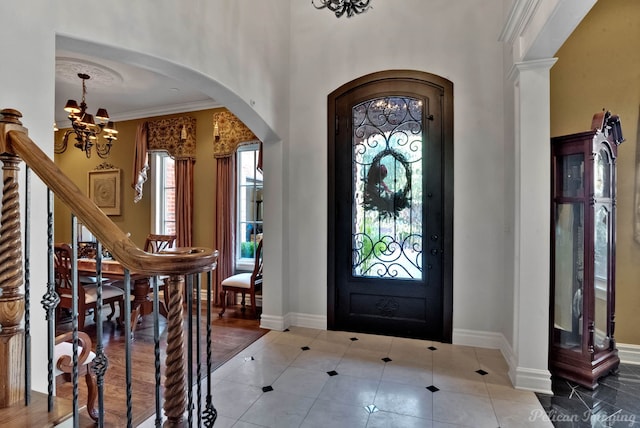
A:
279, 323
521, 377
307, 320
273, 322
535, 380
628, 353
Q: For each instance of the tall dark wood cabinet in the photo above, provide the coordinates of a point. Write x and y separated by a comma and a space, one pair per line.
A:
583, 220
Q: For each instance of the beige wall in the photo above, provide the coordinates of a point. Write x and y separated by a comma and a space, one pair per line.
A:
136, 217
599, 67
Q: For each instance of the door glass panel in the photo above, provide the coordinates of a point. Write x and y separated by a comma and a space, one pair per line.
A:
387, 182
572, 179
601, 176
601, 259
569, 275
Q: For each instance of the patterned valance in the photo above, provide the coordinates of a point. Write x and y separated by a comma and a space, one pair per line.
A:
177, 136
229, 133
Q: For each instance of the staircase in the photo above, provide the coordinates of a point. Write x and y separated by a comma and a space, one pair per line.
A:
183, 267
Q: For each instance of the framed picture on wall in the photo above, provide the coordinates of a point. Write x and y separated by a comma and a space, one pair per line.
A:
104, 190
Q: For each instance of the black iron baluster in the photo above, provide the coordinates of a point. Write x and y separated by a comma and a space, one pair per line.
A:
27, 288
74, 316
101, 362
50, 301
127, 346
210, 412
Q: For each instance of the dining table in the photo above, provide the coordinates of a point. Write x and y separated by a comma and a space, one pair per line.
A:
113, 273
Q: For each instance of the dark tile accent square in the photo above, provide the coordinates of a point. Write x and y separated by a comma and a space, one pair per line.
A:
305, 348
267, 388
432, 348
433, 388
286, 329
387, 359
482, 372
332, 373
353, 339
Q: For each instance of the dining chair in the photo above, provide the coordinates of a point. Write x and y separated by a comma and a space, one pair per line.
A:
156, 243
87, 292
244, 283
63, 360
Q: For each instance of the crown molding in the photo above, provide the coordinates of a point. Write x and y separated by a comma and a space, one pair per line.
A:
519, 16
166, 110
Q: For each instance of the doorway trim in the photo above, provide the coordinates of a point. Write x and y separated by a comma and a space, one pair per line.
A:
390, 77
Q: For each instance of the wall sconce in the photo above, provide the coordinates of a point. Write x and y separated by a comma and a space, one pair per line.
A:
183, 134
216, 131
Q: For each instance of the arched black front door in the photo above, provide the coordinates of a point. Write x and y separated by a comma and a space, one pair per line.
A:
390, 243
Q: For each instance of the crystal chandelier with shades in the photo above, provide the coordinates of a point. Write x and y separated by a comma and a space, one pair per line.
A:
343, 7
85, 128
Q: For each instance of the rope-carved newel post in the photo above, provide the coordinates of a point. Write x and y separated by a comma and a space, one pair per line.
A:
11, 277
174, 383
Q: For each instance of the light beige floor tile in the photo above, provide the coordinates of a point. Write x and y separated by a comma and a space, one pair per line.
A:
388, 420
381, 344
463, 409
509, 393
303, 331
329, 346
333, 414
404, 399
278, 354
351, 390
256, 372
305, 395
243, 424
317, 360
277, 409
513, 414
232, 399
361, 363
305, 383
295, 340
459, 380
408, 372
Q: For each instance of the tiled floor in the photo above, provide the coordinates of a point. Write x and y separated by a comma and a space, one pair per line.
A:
314, 378
614, 403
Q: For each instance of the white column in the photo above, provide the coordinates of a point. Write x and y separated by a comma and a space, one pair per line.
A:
532, 223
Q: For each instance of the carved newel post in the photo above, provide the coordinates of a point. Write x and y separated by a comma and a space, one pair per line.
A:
175, 402
11, 277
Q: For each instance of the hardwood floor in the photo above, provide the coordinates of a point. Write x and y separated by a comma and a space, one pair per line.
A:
230, 335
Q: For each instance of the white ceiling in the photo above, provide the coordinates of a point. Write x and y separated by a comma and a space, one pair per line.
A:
126, 92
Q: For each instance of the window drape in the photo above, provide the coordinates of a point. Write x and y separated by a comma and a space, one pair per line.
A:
184, 202
225, 219
140, 161
177, 136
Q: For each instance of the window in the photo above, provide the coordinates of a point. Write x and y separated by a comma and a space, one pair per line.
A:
163, 171
249, 205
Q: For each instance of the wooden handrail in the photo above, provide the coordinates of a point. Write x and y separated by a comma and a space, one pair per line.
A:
15, 141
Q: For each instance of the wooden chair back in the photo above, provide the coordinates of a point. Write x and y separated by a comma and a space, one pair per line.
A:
62, 267
156, 243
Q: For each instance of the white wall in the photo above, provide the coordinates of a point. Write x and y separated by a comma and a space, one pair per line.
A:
456, 40
27, 76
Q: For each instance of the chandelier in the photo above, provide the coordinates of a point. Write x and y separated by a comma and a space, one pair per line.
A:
340, 7
85, 128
